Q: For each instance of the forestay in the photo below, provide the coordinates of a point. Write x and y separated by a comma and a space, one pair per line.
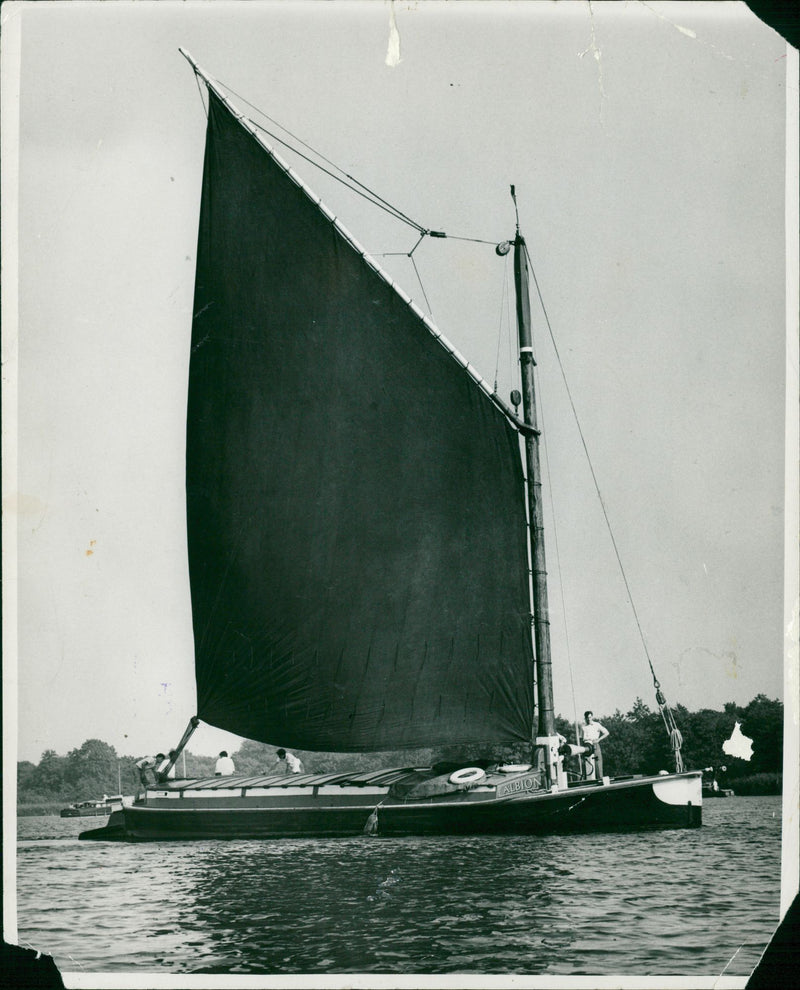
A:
355, 502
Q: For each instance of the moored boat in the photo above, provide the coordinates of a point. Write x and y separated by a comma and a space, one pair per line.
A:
711, 785
89, 809
366, 544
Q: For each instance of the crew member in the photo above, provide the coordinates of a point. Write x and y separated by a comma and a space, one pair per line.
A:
148, 763
224, 766
287, 763
161, 767
592, 733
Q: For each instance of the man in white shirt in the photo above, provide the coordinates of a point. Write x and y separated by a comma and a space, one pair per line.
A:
224, 767
592, 733
287, 763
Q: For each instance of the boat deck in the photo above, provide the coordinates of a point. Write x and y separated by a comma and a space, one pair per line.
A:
370, 778
353, 804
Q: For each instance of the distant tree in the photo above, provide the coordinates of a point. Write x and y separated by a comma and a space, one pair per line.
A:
25, 771
565, 728
337, 762
253, 757
705, 731
129, 775
197, 766
762, 721
703, 734
47, 780
91, 770
638, 742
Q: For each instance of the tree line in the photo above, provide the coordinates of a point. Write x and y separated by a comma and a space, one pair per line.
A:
638, 743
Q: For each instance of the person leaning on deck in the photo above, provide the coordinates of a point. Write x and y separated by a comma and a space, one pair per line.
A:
148, 763
224, 767
286, 763
161, 767
592, 733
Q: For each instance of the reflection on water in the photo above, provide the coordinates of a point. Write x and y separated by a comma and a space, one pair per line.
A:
455, 905
680, 902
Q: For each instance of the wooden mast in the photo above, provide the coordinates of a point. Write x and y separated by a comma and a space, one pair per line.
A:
541, 616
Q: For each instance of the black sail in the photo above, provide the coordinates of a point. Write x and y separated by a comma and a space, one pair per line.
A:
356, 523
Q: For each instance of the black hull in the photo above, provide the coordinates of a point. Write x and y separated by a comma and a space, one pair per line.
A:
641, 803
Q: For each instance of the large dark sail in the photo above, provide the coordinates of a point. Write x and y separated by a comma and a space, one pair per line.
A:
356, 521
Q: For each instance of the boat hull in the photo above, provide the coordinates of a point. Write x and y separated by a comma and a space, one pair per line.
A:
673, 801
91, 811
85, 812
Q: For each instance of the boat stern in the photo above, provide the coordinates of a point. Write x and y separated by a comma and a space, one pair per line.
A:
112, 831
681, 795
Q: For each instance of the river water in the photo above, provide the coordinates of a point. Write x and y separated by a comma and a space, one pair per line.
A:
696, 902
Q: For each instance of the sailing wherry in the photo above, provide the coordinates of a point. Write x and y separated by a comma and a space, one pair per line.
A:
366, 554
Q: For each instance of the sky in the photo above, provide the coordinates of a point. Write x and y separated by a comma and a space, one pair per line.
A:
647, 146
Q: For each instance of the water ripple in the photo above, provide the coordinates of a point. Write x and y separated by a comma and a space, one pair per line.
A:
679, 902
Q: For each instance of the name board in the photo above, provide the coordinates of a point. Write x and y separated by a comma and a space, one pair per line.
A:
519, 785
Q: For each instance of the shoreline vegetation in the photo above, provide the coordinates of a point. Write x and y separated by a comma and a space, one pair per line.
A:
637, 744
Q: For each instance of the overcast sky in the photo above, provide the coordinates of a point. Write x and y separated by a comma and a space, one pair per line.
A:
646, 143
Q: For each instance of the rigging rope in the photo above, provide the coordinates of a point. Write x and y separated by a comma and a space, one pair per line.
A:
346, 179
364, 191
676, 739
422, 287
349, 181
200, 90
500, 324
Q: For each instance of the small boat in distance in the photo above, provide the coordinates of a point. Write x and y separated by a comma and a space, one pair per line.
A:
711, 785
87, 809
720, 792
366, 544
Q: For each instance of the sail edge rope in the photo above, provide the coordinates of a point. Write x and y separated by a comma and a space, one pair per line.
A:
363, 190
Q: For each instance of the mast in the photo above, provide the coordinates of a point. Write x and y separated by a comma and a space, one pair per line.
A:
541, 615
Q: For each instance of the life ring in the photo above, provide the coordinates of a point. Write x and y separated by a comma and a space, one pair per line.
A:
469, 775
